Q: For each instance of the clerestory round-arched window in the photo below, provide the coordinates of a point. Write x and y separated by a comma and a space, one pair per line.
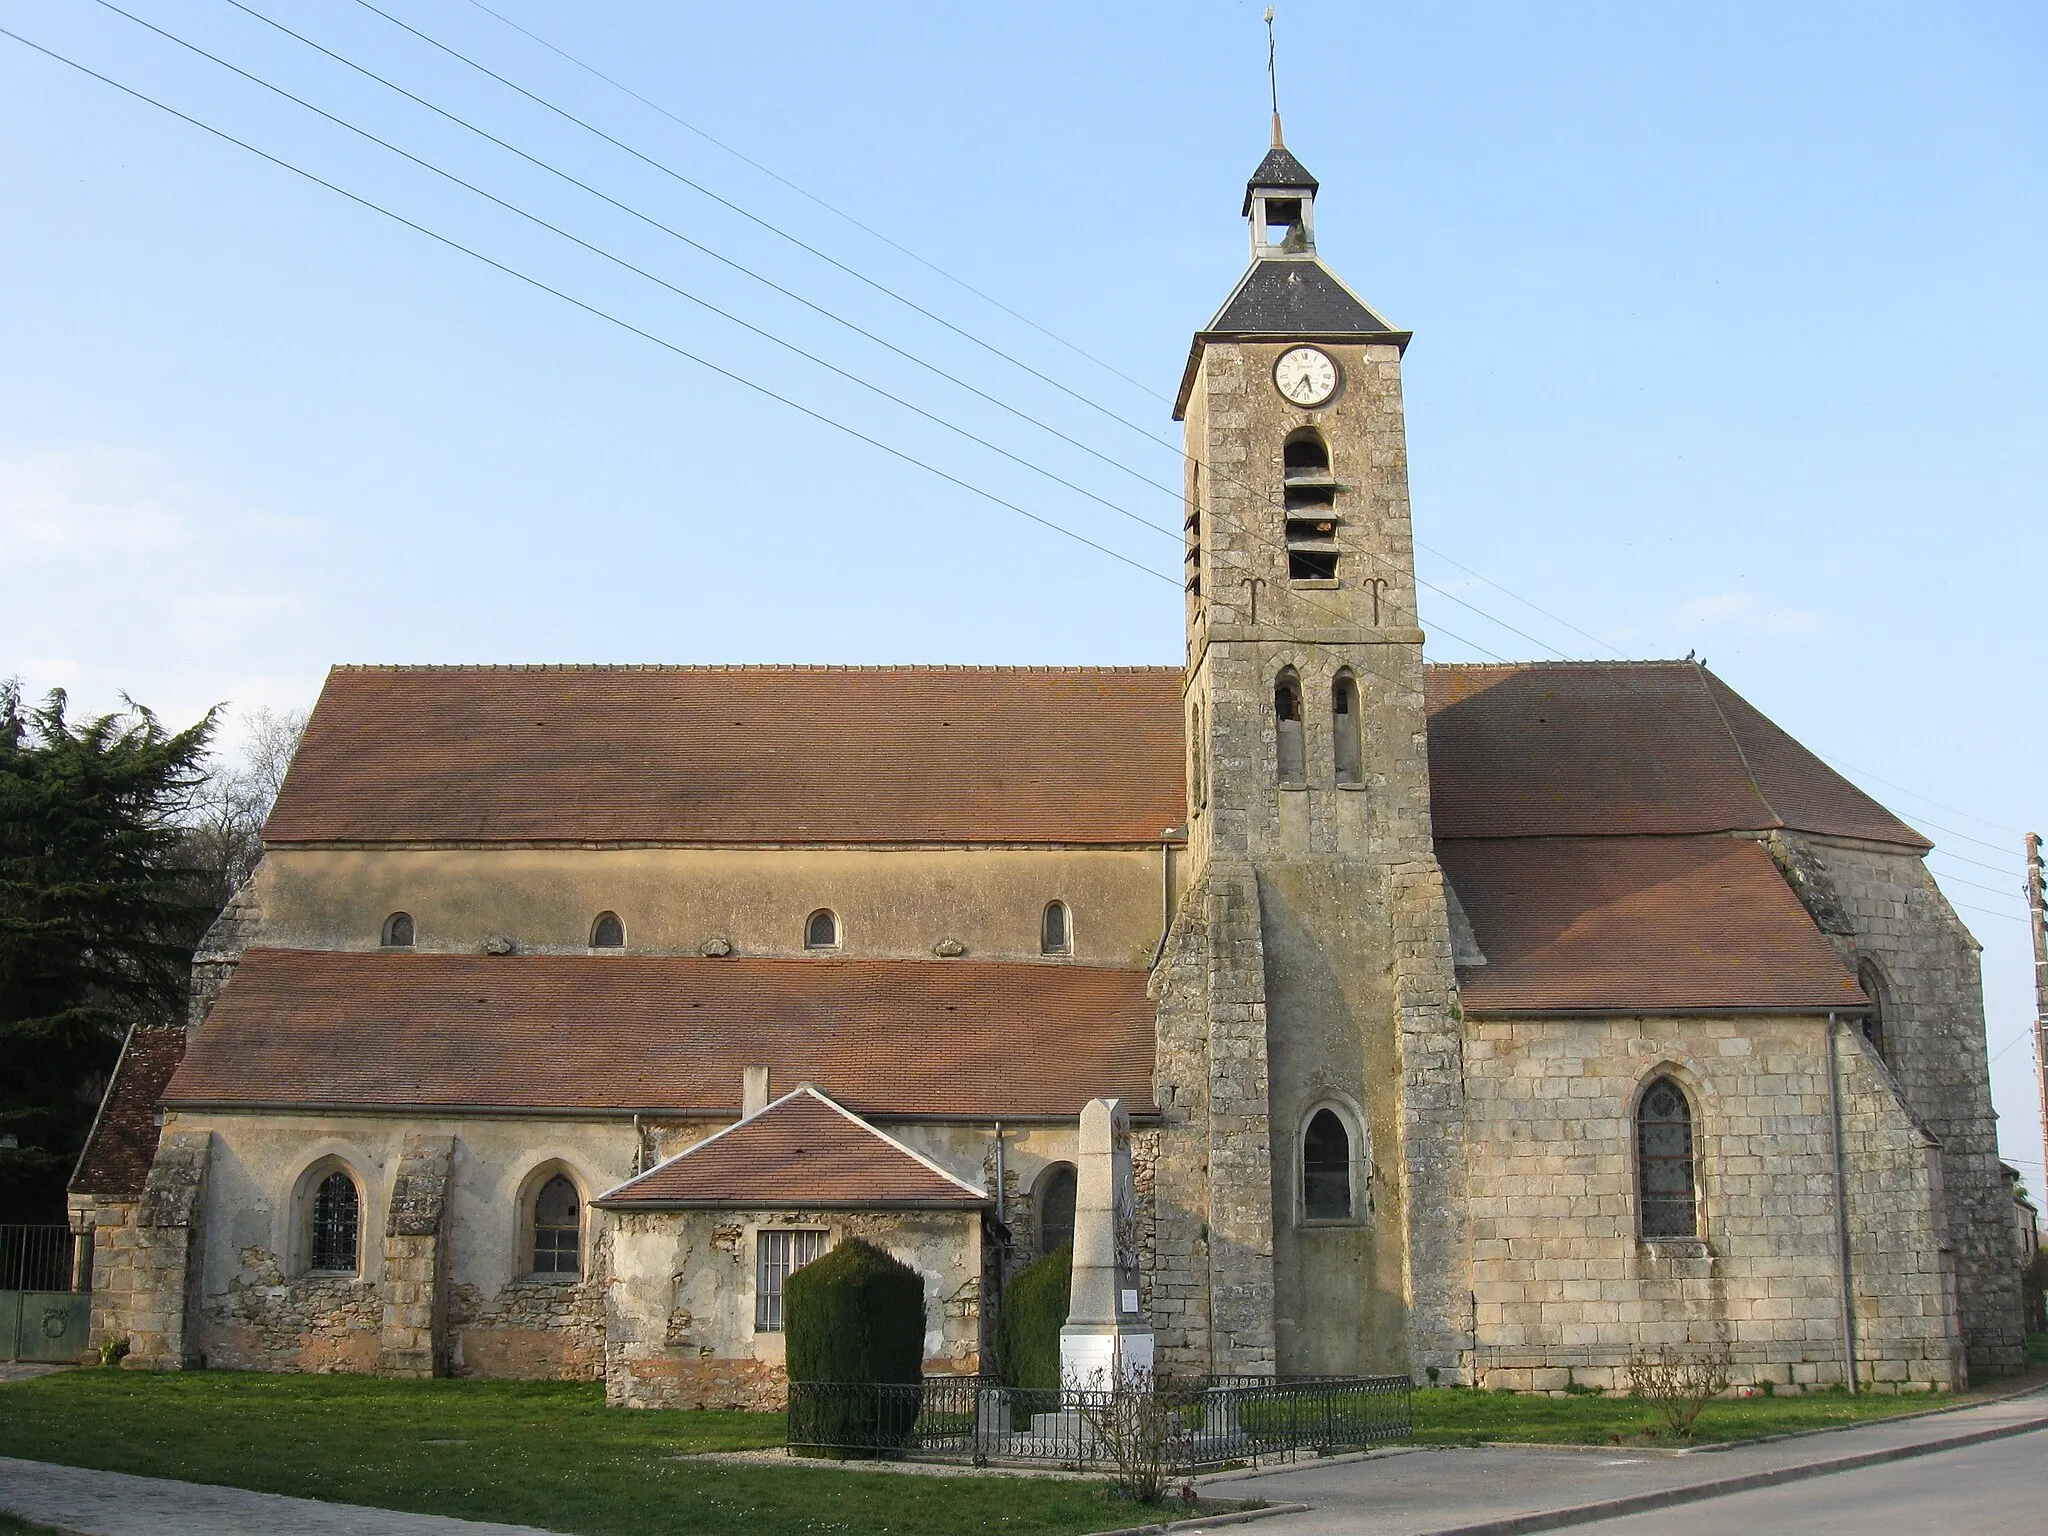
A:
607, 932
1056, 930
821, 929
397, 931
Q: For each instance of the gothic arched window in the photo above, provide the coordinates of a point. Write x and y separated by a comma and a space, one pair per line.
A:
1668, 1204
558, 1229
1326, 1168
398, 931
821, 929
1056, 930
334, 1225
1057, 1188
1287, 724
607, 932
1871, 979
1344, 729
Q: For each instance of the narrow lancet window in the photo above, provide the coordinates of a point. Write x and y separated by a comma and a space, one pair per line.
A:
1056, 930
607, 932
337, 1219
1326, 1168
398, 931
1058, 1190
821, 929
1287, 723
1664, 1162
1344, 728
558, 1230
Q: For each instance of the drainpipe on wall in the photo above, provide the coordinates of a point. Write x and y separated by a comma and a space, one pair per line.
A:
1841, 1209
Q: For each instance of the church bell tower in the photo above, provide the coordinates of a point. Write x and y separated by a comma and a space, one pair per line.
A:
1308, 1053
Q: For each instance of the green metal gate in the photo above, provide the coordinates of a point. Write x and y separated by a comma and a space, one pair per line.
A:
41, 1317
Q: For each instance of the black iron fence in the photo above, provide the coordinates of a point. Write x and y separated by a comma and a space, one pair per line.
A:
1182, 1426
35, 1258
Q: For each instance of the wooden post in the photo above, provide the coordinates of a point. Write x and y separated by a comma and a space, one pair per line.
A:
2037, 918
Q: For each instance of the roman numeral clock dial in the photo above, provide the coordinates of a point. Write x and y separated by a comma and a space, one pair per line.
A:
1305, 375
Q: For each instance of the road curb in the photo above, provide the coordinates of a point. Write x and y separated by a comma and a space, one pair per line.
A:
1692, 1493
1210, 1522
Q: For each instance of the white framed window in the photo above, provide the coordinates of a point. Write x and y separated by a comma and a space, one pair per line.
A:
780, 1252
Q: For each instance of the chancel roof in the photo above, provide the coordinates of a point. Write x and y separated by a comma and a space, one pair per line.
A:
802, 1150
953, 1039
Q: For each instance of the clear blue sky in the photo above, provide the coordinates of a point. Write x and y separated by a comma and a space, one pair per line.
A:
1730, 335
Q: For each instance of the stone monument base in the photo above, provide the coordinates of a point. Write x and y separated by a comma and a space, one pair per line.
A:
1093, 1356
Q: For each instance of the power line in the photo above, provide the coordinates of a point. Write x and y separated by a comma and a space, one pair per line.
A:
1964, 858
592, 309
809, 196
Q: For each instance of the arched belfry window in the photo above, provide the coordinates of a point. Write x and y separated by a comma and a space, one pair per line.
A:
1057, 1189
1056, 930
821, 929
334, 1225
398, 931
1344, 729
1326, 1168
1665, 1187
558, 1230
607, 932
1309, 495
1872, 981
1293, 754
1306, 456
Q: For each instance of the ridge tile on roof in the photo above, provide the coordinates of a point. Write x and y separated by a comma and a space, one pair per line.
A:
802, 1150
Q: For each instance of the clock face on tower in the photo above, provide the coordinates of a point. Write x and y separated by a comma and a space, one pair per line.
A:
1305, 375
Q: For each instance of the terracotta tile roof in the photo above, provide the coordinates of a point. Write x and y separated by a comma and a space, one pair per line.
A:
802, 1150
954, 1038
1639, 924
738, 755
122, 1144
1583, 749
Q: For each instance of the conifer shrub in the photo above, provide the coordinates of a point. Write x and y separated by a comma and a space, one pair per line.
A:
853, 1318
1028, 1327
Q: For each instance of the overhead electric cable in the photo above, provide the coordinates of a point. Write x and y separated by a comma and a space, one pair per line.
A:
809, 196
588, 308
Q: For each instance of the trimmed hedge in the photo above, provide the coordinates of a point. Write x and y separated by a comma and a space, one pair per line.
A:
1028, 1328
854, 1315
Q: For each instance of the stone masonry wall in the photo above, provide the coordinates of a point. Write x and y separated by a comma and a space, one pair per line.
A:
1881, 904
413, 1329
153, 1266
1564, 1289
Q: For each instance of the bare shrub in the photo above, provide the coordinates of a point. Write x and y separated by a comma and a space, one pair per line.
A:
1134, 1422
1680, 1381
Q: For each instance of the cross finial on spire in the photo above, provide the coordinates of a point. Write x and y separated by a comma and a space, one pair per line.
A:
1272, 77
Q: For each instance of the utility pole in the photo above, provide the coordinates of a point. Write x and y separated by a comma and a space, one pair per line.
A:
2037, 919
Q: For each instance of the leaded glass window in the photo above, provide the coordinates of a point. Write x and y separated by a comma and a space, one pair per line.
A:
336, 1223
778, 1255
1664, 1168
558, 1230
1326, 1169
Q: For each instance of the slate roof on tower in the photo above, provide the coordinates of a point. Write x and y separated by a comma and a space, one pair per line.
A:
802, 1150
1278, 169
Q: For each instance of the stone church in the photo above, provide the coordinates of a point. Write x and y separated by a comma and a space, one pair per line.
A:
1492, 1024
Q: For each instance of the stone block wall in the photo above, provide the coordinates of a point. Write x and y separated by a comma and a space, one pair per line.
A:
1564, 1289
412, 1333
1881, 905
679, 1321
153, 1265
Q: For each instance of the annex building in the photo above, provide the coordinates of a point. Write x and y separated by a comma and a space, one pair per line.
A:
1488, 1023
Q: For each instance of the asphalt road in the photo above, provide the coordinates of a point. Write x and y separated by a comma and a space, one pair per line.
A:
1998, 1488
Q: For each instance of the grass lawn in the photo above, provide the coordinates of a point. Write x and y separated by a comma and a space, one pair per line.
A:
531, 1453
1455, 1416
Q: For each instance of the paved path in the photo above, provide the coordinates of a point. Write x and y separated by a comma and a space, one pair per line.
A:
1493, 1491
115, 1504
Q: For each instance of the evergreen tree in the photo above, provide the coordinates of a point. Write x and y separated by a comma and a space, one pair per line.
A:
100, 907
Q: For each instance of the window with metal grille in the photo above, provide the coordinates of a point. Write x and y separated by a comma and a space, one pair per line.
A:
398, 931
1056, 930
778, 1255
821, 929
558, 1230
336, 1223
1664, 1171
1326, 1168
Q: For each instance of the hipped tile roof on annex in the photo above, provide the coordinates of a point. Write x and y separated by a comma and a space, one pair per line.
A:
738, 755
952, 1039
1639, 925
800, 1151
